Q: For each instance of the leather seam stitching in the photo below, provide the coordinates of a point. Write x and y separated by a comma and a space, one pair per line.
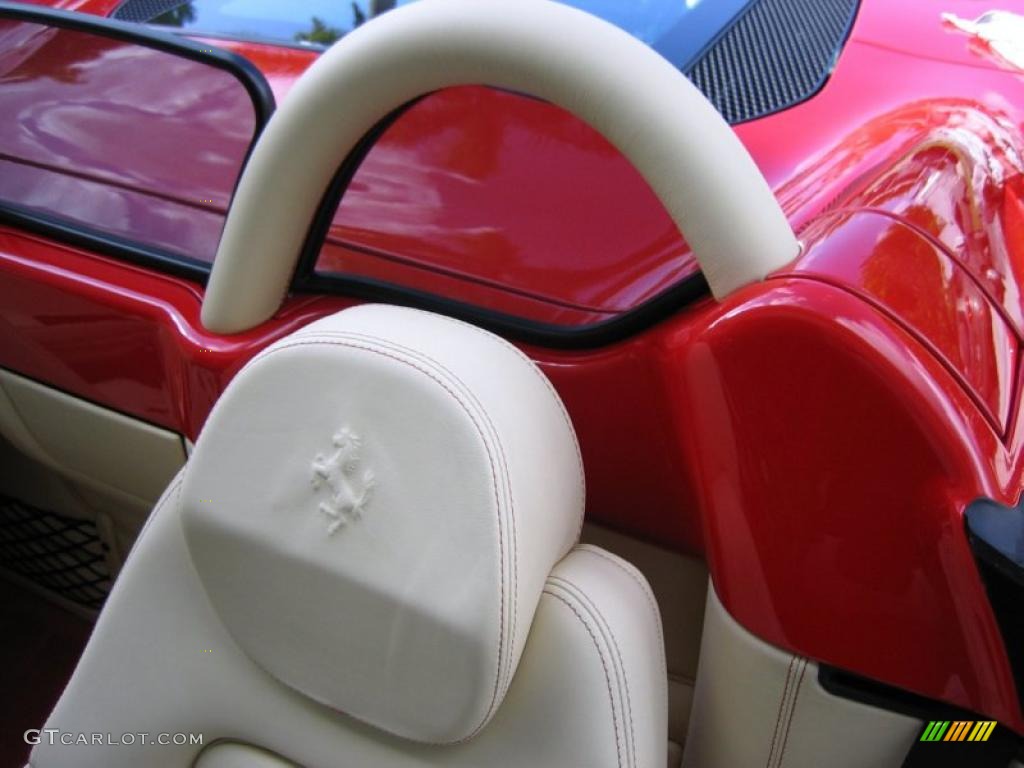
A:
584, 599
506, 667
792, 713
604, 665
518, 353
778, 716
300, 342
640, 582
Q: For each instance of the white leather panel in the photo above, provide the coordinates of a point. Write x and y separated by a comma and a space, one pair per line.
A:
626, 631
161, 661
680, 586
638, 100
756, 705
230, 755
373, 508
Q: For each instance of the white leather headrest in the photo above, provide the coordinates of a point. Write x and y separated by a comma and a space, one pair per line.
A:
373, 507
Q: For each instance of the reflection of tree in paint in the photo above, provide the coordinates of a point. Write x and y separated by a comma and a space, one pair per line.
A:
320, 33
177, 17
377, 7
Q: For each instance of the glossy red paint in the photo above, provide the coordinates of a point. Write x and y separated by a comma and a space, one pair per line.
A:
915, 282
122, 336
817, 436
834, 455
454, 192
886, 25
75, 107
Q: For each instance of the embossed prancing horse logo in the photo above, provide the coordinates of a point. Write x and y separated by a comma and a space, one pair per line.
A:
342, 474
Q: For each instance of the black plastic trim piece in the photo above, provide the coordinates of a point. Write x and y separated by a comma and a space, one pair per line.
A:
307, 280
242, 69
996, 536
1002, 746
864, 690
317, 48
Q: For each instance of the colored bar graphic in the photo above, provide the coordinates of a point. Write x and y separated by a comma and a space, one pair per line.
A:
958, 730
984, 730
935, 730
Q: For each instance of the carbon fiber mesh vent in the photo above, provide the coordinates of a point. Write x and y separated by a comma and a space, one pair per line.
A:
143, 10
61, 554
779, 53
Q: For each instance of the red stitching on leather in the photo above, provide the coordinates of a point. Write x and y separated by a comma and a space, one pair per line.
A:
628, 699
283, 345
514, 554
636, 576
778, 716
547, 383
792, 713
604, 665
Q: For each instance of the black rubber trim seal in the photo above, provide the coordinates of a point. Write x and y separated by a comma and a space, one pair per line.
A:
323, 216
550, 335
111, 245
104, 244
995, 533
243, 69
1003, 745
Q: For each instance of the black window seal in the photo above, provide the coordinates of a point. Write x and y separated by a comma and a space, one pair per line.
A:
104, 243
132, 251
681, 295
551, 335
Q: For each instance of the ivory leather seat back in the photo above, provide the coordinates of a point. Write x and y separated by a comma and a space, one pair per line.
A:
371, 560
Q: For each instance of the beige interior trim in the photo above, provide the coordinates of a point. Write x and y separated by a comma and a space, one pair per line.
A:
642, 104
757, 705
124, 458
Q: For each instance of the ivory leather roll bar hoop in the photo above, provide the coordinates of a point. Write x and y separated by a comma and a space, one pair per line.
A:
688, 154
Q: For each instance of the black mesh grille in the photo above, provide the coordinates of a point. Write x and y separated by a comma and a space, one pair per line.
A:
777, 54
144, 10
61, 554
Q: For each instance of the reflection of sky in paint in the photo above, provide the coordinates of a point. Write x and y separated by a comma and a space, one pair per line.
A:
659, 23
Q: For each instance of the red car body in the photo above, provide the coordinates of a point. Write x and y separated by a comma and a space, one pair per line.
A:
817, 436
